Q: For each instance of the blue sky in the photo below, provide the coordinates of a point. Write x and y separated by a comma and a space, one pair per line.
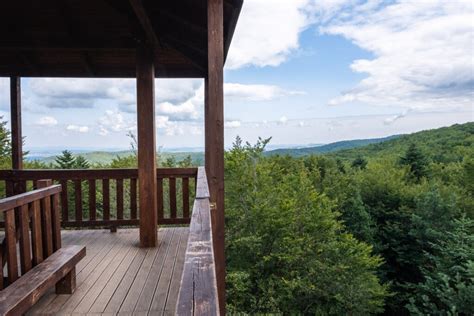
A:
300, 71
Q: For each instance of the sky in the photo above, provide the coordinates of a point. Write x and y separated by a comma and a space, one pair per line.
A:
301, 71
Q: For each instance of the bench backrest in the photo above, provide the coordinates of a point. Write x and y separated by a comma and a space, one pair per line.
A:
32, 220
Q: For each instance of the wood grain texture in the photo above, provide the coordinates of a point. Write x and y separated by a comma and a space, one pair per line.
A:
21, 295
146, 146
16, 129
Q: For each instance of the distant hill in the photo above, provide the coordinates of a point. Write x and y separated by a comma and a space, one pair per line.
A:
106, 157
332, 147
447, 144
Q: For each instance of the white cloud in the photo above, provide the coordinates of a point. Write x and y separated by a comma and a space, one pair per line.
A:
267, 32
47, 121
394, 118
77, 128
115, 121
232, 124
283, 120
256, 92
422, 52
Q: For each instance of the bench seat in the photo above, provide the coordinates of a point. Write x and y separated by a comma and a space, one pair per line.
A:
56, 270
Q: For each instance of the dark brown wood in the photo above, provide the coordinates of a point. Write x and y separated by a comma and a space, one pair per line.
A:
159, 198
15, 112
185, 189
28, 197
145, 22
36, 233
214, 135
56, 222
67, 285
198, 294
78, 199
46, 219
172, 196
133, 198
106, 199
25, 245
20, 296
146, 146
92, 200
10, 238
119, 197
64, 201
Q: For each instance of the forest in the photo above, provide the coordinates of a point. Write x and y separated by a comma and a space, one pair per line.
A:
386, 228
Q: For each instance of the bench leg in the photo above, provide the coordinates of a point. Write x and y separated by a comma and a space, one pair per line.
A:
67, 285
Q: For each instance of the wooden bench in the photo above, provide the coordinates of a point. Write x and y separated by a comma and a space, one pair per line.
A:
58, 269
33, 235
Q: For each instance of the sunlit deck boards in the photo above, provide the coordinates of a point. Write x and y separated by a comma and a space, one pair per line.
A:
118, 277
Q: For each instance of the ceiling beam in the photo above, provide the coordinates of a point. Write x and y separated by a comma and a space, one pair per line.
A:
142, 16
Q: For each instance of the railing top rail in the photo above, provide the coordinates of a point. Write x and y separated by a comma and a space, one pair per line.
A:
28, 197
90, 174
198, 289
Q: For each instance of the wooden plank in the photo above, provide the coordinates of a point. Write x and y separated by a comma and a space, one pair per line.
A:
56, 222
64, 201
92, 200
16, 129
214, 135
159, 199
145, 22
10, 238
202, 187
146, 146
162, 288
133, 198
36, 233
185, 189
172, 196
170, 307
119, 198
17, 298
78, 199
25, 244
106, 199
28, 197
146, 297
198, 293
46, 226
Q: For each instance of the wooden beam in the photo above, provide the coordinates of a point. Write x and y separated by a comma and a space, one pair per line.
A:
146, 146
232, 25
15, 112
214, 136
144, 20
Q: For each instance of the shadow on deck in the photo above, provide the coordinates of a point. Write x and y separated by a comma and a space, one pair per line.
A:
118, 277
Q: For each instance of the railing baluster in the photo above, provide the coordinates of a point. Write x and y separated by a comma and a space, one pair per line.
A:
56, 222
119, 197
64, 202
46, 223
106, 199
185, 188
36, 233
25, 245
172, 182
133, 198
92, 200
10, 236
159, 198
78, 199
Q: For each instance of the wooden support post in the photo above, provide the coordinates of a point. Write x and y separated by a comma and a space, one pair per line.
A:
15, 112
67, 285
146, 146
214, 135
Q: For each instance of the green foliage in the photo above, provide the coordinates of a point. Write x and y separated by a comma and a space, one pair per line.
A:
5, 145
359, 163
68, 161
416, 161
287, 252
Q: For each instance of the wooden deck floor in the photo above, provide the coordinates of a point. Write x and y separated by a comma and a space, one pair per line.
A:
118, 277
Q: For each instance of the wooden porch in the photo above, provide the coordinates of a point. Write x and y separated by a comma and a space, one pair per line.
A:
116, 276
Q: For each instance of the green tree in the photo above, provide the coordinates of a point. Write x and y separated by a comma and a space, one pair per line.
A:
416, 161
66, 160
81, 163
5, 145
359, 163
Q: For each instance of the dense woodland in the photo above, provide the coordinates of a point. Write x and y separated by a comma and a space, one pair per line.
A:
382, 229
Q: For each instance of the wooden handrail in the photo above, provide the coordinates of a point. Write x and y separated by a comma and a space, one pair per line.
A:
28, 197
198, 290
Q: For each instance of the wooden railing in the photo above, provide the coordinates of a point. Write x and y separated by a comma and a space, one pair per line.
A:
198, 290
36, 211
109, 197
